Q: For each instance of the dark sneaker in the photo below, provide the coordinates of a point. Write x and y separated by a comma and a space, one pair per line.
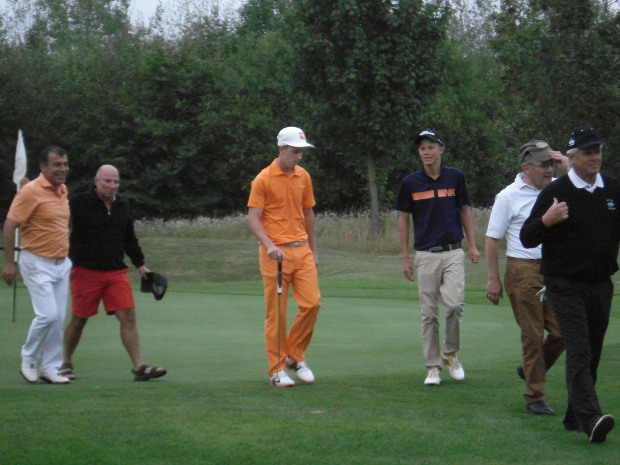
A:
540, 407
603, 425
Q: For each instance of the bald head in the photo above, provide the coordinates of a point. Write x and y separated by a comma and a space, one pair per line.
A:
106, 170
107, 181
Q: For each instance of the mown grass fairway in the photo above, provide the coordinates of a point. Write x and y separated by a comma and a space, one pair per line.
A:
215, 406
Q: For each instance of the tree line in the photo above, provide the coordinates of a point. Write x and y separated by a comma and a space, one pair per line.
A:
189, 117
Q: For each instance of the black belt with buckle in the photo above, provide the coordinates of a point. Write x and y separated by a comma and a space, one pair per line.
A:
444, 248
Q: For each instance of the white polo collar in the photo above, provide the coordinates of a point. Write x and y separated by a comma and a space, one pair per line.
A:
581, 184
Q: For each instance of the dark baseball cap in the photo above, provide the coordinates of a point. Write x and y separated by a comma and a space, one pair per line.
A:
429, 134
537, 149
584, 137
155, 283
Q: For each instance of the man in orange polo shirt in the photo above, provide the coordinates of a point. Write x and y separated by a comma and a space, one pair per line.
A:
280, 215
42, 210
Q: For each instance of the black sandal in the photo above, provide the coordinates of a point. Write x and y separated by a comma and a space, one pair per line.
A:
146, 372
66, 370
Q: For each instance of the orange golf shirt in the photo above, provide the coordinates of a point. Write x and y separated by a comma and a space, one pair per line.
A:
282, 199
43, 214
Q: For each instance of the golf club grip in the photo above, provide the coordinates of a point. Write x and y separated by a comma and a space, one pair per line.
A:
279, 276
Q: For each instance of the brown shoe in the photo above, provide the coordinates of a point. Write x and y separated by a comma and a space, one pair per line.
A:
540, 407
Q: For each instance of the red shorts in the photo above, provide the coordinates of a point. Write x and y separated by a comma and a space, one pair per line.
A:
89, 287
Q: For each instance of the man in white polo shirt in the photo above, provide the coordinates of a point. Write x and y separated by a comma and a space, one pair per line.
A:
523, 278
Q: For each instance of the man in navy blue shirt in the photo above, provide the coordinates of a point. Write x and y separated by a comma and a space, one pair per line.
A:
437, 200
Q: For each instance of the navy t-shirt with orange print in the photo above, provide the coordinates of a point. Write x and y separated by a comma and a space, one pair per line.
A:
434, 205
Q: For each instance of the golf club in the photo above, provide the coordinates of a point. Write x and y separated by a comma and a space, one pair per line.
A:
277, 377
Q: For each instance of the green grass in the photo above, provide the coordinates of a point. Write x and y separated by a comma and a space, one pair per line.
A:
215, 406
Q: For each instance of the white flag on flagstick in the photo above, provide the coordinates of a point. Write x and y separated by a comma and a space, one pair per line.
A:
20, 160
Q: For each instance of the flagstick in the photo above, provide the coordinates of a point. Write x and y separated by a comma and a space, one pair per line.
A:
21, 167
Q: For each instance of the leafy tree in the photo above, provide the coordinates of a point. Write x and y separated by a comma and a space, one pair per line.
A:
470, 108
560, 59
368, 67
261, 16
466, 110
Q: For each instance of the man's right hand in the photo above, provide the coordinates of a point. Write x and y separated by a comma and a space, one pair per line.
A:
275, 253
557, 212
494, 291
408, 268
9, 272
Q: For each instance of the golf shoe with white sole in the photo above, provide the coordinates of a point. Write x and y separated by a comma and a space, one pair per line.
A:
302, 370
29, 372
432, 377
54, 378
454, 367
282, 379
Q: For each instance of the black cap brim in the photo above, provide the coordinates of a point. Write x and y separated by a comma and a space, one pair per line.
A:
430, 135
590, 143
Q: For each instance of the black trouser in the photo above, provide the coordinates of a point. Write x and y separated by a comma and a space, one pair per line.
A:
582, 310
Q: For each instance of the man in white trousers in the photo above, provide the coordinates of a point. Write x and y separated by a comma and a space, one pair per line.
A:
41, 209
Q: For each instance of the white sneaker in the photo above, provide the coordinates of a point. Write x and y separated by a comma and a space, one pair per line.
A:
282, 379
29, 372
302, 370
454, 367
432, 377
54, 378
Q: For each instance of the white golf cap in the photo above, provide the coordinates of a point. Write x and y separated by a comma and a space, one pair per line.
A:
292, 136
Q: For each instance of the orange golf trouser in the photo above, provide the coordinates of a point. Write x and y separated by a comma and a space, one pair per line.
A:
298, 271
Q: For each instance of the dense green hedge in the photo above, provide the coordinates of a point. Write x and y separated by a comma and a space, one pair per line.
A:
189, 118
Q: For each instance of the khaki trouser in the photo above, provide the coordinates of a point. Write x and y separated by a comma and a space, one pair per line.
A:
522, 281
298, 271
440, 274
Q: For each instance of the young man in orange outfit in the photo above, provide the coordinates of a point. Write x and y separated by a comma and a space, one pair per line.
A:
280, 215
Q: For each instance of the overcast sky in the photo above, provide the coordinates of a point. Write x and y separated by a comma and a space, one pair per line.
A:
146, 8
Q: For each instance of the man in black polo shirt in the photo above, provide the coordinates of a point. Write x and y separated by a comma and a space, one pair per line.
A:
102, 233
576, 219
437, 200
